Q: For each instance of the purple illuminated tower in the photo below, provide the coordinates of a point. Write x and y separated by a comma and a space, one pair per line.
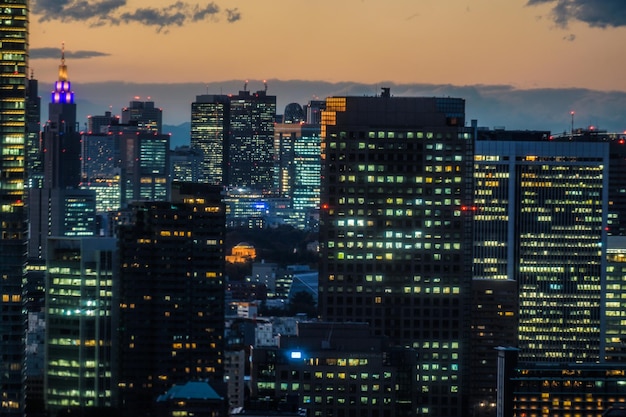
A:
61, 139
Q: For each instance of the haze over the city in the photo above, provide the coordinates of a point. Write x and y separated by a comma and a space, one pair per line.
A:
519, 63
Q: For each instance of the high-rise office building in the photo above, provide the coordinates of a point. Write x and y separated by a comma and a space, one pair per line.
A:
34, 156
210, 132
79, 332
251, 144
144, 115
13, 227
297, 149
171, 294
615, 300
60, 208
61, 138
186, 164
144, 167
540, 216
395, 240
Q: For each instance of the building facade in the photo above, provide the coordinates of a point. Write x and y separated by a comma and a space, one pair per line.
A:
13, 228
210, 133
540, 212
251, 147
79, 332
171, 295
395, 238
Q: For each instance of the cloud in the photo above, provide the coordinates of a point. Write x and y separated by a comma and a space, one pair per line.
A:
571, 37
595, 13
232, 15
45, 53
116, 12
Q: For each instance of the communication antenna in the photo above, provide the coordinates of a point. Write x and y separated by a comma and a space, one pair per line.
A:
245, 86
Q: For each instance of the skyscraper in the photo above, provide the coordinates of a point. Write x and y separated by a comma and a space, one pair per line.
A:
171, 295
60, 208
144, 115
13, 227
395, 239
61, 138
34, 161
210, 132
541, 207
79, 307
251, 147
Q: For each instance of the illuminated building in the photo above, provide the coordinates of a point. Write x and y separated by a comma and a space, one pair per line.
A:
144, 167
615, 300
210, 120
13, 227
297, 147
251, 143
241, 253
34, 156
616, 222
79, 332
171, 295
395, 240
144, 115
61, 139
570, 389
540, 211
254, 209
186, 164
334, 369
60, 208
100, 167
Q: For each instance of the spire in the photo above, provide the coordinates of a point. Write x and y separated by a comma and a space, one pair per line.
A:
63, 67
62, 93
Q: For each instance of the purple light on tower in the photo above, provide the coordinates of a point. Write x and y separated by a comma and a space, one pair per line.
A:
62, 93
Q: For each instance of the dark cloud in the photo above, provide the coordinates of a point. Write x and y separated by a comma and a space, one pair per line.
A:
233, 15
115, 12
43, 53
595, 13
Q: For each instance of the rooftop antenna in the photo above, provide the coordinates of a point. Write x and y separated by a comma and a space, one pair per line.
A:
245, 86
571, 135
265, 84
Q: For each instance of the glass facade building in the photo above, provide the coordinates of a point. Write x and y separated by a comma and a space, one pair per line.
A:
79, 332
395, 239
13, 226
251, 147
210, 119
540, 210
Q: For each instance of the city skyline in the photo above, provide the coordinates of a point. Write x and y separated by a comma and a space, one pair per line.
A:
519, 48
